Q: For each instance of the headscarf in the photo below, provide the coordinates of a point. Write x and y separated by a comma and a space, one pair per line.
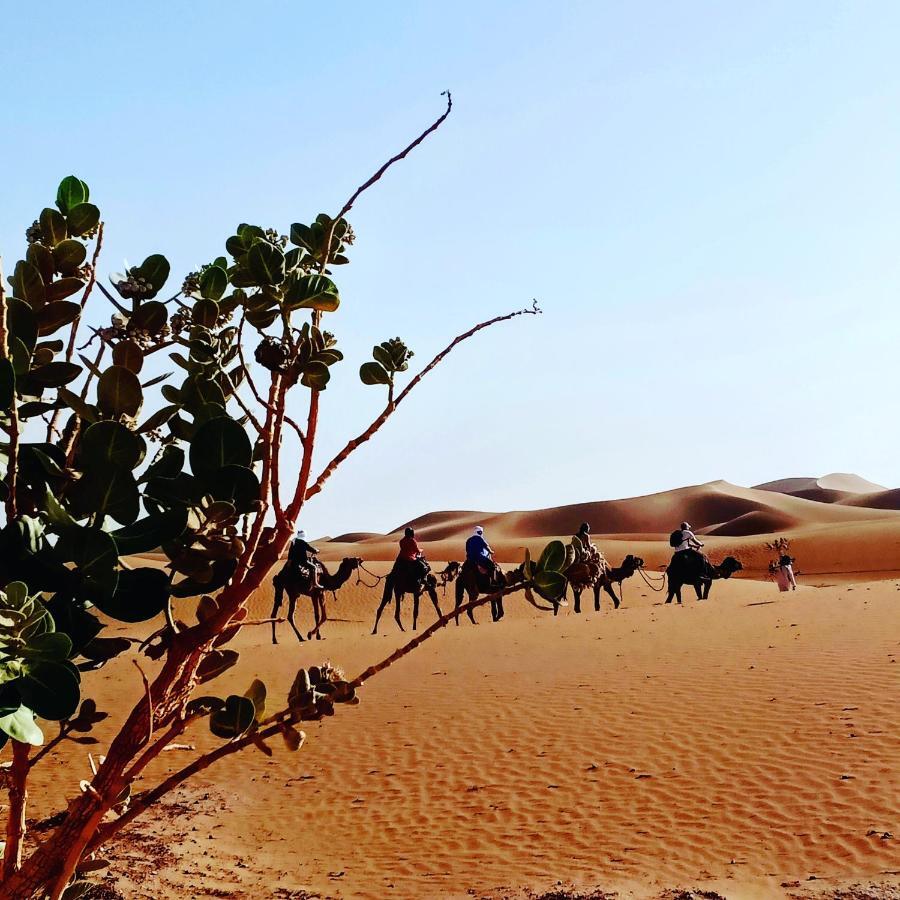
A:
479, 530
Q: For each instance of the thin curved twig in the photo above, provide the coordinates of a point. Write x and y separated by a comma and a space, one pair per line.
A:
328, 471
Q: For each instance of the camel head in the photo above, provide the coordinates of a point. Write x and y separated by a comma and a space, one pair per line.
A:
450, 572
351, 562
633, 563
729, 566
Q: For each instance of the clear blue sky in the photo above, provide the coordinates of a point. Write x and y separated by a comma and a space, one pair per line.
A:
703, 196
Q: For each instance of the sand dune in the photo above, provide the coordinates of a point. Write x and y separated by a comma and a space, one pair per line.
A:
836, 483
887, 499
717, 509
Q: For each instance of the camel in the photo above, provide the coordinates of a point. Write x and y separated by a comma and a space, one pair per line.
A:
696, 569
406, 580
599, 575
292, 582
473, 583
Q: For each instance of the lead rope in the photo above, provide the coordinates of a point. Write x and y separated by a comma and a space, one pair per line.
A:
661, 581
361, 580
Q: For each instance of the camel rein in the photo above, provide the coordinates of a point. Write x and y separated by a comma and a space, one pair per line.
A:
661, 581
360, 580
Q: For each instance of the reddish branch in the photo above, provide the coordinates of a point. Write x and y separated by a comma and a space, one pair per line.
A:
328, 471
18, 797
275, 450
248, 376
442, 622
378, 175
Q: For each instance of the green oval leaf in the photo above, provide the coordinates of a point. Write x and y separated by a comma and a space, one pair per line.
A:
213, 283
150, 533
550, 585
53, 226
151, 317
373, 373
109, 491
312, 292
234, 719
219, 442
236, 484
141, 594
553, 559
50, 689
29, 286
20, 726
69, 256
155, 271
266, 263
55, 374
315, 375
62, 288
111, 442
129, 355
206, 312
82, 218
119, 392
70, 193
53, 316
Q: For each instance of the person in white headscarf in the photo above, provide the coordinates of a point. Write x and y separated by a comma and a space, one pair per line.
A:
478, 551
303, 556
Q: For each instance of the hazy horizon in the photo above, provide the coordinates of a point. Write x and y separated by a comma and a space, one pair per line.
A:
703, 199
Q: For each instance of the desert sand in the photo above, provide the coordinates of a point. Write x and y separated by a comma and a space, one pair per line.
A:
748, 745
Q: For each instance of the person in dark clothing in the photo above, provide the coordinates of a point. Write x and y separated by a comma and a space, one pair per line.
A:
411, 556
304, 557
479, 552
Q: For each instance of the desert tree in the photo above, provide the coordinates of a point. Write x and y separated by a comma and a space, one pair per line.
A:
101, 462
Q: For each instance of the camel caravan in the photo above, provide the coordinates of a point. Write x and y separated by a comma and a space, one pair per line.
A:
586, 568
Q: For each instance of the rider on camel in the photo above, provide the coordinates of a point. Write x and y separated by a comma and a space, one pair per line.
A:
410, 555
479, 552
303, 557
582, 545
689, 542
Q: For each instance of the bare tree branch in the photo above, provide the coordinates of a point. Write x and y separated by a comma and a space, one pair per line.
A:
18, 798
378, 175
329, 470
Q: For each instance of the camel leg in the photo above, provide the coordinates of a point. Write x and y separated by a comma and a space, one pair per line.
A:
276, 606
384, 603
577, 595
608, 587
699, 590
415, 609
398, 597
458, 601
292, 608
707, 587
432, 593
321, 616
598, 586
471, 612
500, 611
